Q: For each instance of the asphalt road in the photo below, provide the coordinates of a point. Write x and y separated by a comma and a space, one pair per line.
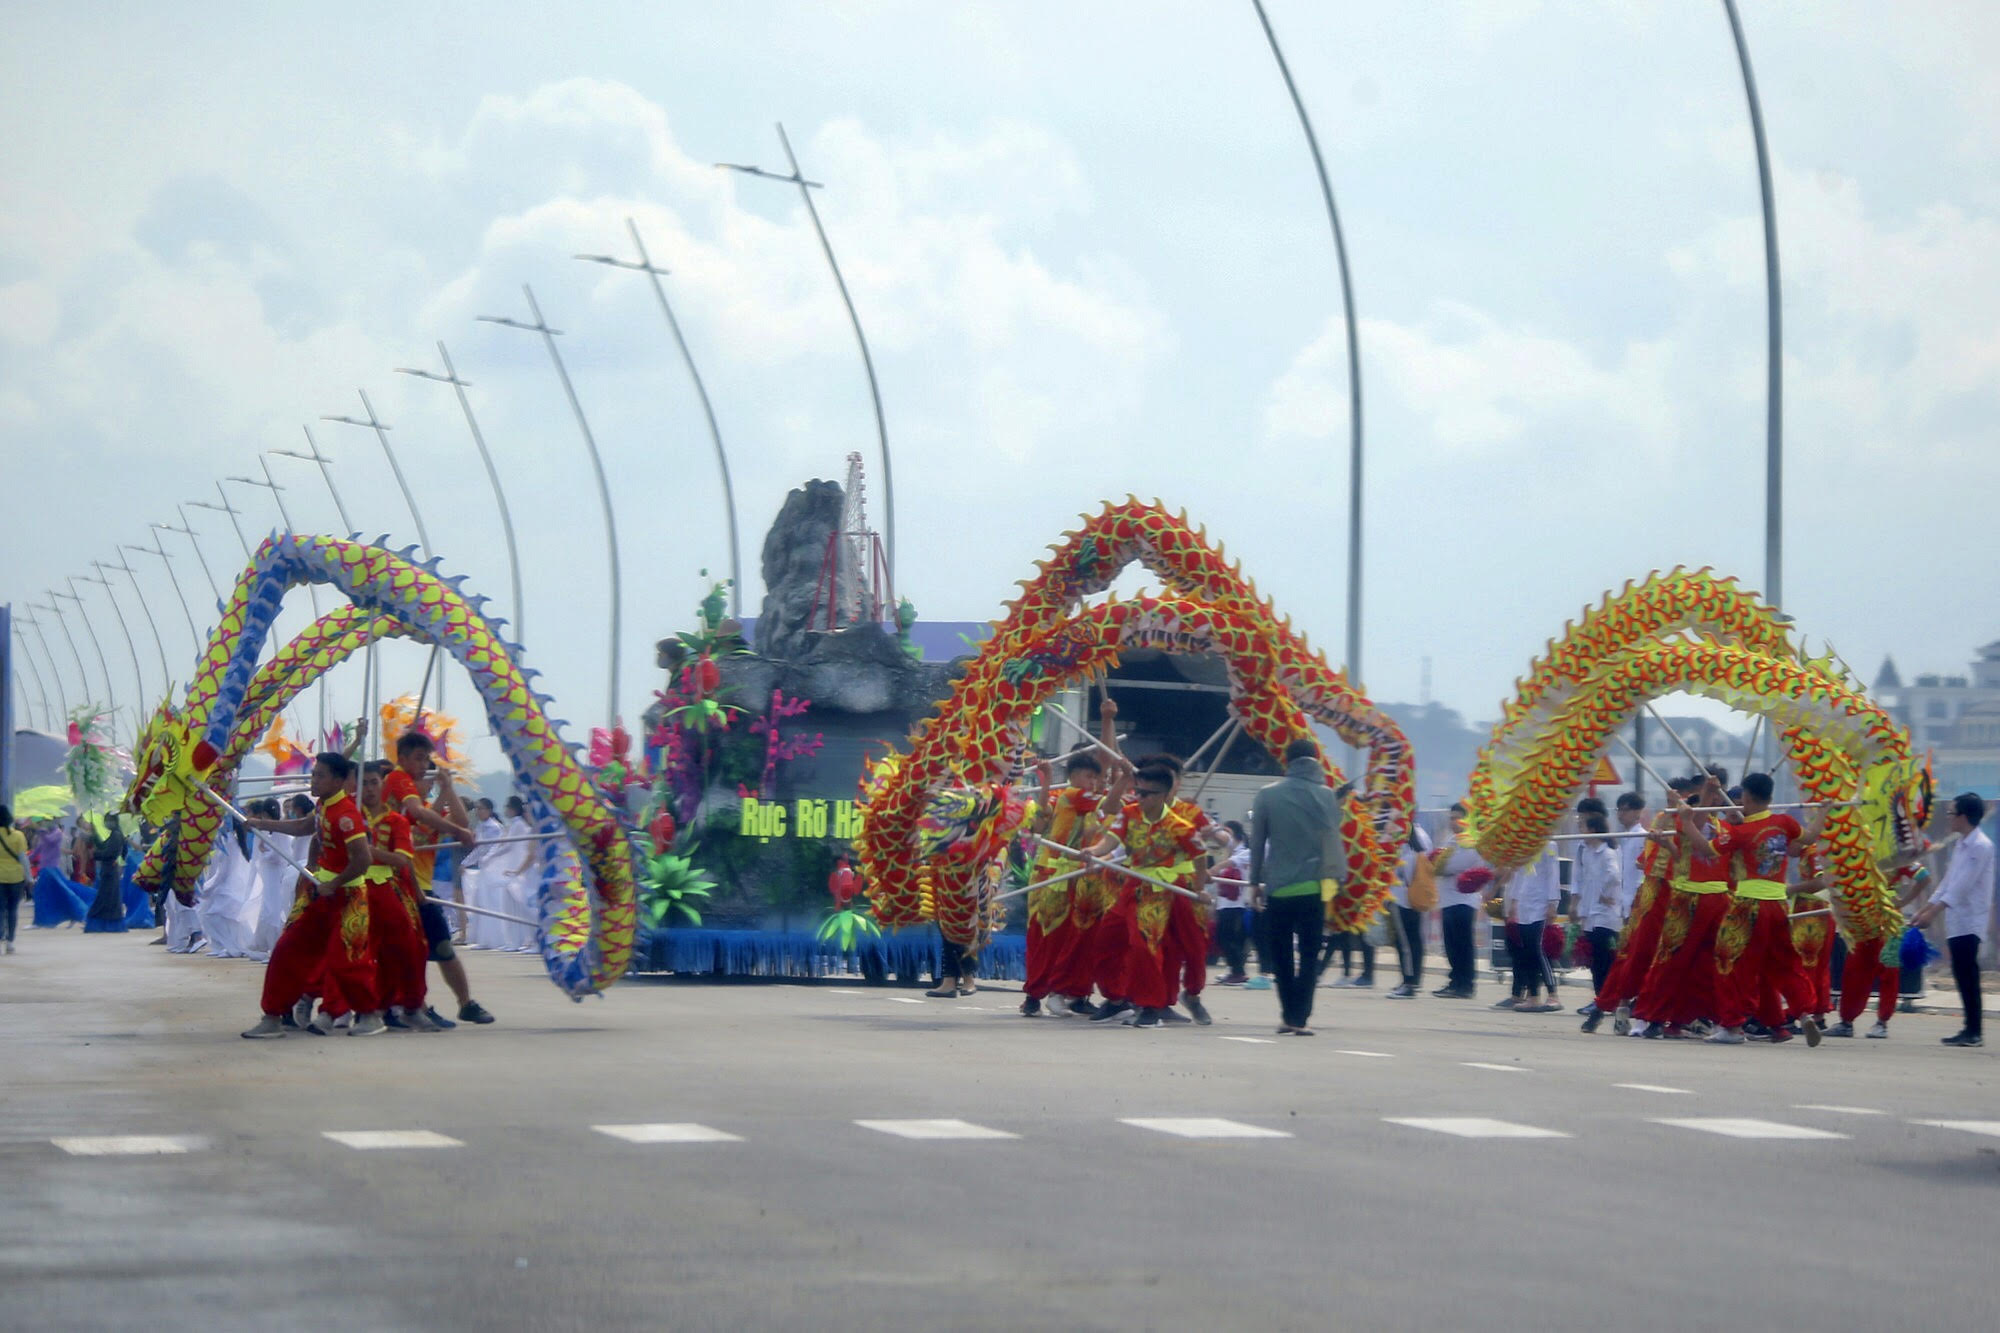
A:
765, 1200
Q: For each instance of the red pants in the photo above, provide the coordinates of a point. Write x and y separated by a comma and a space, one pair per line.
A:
326, 941
1187, 944
1863, 973
1681, 985
1131, 952
1635, 950
1757, 970
400, 951
1813, 938
1062, 921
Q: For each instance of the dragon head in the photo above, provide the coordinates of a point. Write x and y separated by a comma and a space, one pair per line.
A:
167, 760
1895, 807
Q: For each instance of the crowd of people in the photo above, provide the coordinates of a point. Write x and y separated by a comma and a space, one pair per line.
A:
1713, 918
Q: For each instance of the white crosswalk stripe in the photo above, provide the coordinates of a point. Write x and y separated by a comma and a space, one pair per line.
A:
1475, 1127
1203, 1127
668, 1133
1837, 1110
904, 999
1745, 1128
129, 1145
370, 1139
1656, 1087
1255, 1041
1988, 1127
934, 1129
1367, 1055
1498, 1069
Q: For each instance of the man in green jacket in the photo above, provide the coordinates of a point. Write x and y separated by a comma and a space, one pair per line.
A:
1294, 844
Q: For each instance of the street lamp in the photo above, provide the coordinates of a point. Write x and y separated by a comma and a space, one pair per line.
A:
1774, 391
646, 266
312, 589
194, 540
24, 655
140, 711
450, 377
227, 508
549, 336
97, 646
55, 676
54, 608
175, 579
375, 424
139, 596
806, 187
1353, 665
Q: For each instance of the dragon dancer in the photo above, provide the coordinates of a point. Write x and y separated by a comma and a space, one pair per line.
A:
1757, 968
400, 951
327, 936
1640, 938
1062, 916
1680, 986
1165, 844
1188, 933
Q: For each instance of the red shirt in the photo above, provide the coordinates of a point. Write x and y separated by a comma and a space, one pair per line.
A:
340, 822
398, 790
390, 832
1761, 847
1172, 838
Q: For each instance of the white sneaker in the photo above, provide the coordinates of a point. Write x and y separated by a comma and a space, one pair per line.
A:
419, 1021
321, 1025
1639, 1029
366, 1025
302, 1012
1879, 1030
268, 1027
1057, 1006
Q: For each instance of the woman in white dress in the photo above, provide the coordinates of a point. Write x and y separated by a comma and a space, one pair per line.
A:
277, 882
483, 878
229, 898
522, 878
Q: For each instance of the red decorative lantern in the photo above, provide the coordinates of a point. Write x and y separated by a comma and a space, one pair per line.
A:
843, 883
662, 828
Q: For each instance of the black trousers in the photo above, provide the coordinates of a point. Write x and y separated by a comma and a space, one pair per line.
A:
1408, 924
1456, 923
955, 960
1965, 971
1232, 938
1603, 953
1524, 945
1347, 943
1296, 925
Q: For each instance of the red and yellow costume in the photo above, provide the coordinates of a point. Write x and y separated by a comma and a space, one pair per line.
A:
326, 941
1812, 937
1757, 969
1641, 936
1190, 925
1062, 917
400, 951
1680, 987
1132, 957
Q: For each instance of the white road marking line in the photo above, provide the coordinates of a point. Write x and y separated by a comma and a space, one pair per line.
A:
1991, 1127
1751, 1129
1656, 1087
837, 990
1837, 1110
1204, 1127
903, 999
1255, 1041
129, 1145
1367, 1055
668, 1133
1498, 1069
391, 1138
934, 1129
1474, 1127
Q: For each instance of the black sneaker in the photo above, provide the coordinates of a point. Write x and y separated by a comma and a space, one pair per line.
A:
1198, 1010
1151, 1018
438, 1018
473, 1012
1592, 1019
1170, 1015
394, 1021
1082, 1008
1406, 991
1110, 1009
1030, 1007
1963, 1039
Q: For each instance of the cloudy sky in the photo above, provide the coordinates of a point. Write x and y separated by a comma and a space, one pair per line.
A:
1090, 255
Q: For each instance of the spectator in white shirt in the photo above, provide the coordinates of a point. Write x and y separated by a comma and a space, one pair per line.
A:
1631, 819
1597, 886
1465, 882
1530, 892
1966, 899
1408, 922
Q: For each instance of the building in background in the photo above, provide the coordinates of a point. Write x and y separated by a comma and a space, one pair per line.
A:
1956, 718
